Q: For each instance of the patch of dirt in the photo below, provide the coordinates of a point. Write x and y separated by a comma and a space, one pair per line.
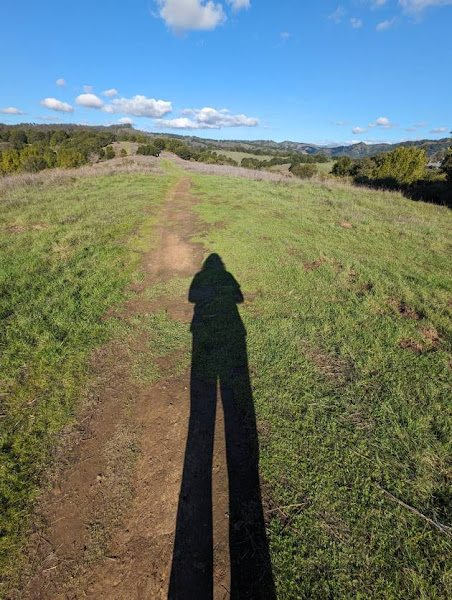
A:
346, 225
313, 265
365, 289
404, 310
338, 371
413, 346
105, 529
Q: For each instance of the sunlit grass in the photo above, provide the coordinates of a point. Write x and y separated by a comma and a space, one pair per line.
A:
349, 345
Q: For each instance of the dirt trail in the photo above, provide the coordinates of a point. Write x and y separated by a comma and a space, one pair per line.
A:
109, 521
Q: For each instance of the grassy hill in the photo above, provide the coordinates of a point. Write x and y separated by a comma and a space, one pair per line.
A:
349, 342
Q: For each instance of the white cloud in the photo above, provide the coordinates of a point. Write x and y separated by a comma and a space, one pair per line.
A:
139, 106
417, 6
125, 121
182, 15
239, 4
356, 23
359, 130
110, 93
423, 124
439, 130
385, 25
338, 14
61, 82
12, 110
410, 129
384, 123
89, 101
339, 123
208, 118
87, 89
55, 104
285, 35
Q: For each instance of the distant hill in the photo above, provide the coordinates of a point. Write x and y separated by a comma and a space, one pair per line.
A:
359, 150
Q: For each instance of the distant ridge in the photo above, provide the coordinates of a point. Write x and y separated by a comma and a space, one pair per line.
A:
358, 150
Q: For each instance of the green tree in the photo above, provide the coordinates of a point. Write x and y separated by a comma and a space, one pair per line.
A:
18, 138
159, 143
446, 166
57, 137
303, 170
403, 165
32, 159
10, 160
70, 158
109, 152
343, 166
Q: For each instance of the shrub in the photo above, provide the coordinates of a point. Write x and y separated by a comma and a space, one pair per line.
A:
402, 165
109, 152
10, 161
123, 152
69, 158
148, 150
446, 166
160, 143
343, 166
303, 170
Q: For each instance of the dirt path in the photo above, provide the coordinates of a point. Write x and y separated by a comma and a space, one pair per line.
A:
109, 522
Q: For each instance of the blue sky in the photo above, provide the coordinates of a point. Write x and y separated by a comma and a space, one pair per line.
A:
319, 72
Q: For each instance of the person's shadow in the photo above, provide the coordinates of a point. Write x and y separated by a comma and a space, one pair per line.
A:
219, 355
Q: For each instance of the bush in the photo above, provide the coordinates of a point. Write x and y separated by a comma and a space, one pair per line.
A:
123, 152
159, 143
303, 170
68, 158
10, 161
109, 152
446, 166
148, 150
402, 165
343, 166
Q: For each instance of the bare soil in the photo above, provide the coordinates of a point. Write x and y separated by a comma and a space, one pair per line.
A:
106, 527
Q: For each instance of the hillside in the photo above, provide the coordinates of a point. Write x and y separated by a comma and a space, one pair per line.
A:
359, 150
344, 373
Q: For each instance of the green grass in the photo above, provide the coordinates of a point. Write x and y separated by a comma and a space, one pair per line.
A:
66, 255
239, 155
342, 407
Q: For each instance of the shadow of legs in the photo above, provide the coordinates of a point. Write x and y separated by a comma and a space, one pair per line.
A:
192, 568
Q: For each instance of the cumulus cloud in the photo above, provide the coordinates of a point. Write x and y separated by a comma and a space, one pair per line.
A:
439, 130
57, 105
417, 6
125, 121
356, 23
384, 25
61, 82
183, 15
359, 130
89, 101
12, 110
110, 93
239, 4
338, 14
208, 118
139, 106
384, 123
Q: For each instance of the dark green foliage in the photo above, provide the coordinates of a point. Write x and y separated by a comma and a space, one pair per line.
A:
101, 153
159, 143
304, 171
18, 139
446, 166
343, 166
148, 150
109, 152
123, 152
